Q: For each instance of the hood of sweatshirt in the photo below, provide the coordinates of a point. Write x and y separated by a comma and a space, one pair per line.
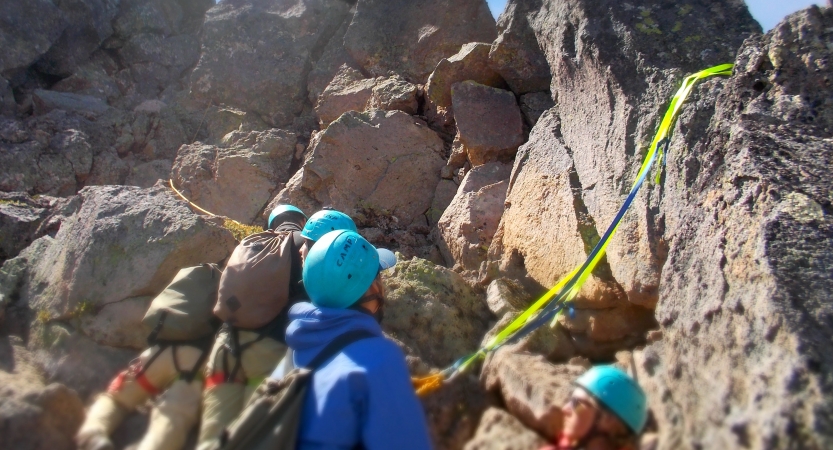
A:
311, 328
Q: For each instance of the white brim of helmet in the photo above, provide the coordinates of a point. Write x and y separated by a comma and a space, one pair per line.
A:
387, 258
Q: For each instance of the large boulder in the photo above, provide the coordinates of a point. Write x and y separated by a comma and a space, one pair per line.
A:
488, 120
256, 54
468, 224
433, 311
235, 179
746, 291
454, 411
410, 38
376, 163
27, 30
119, 242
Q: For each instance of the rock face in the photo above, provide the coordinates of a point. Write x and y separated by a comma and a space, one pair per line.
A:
428, 305
257, 55
20, 218
745, 293
468, 225
583, 154
411, 38
376, 162
488, 122
236, 179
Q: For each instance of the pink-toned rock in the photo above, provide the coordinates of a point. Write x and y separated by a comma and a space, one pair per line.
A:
488, 120
532, 389
381, 162
348, 91
470, 63
469, 223
446, 190
394, 93
236, 179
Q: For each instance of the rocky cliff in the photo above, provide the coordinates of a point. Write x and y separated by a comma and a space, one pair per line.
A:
490, 155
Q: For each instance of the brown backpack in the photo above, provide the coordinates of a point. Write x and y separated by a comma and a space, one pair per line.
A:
254, 287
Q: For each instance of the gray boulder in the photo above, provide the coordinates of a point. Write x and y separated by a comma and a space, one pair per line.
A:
89, 23
46, 101
27, 30
379, 163
411, 38
433, 311
256, 55
533, 105
119, 242
745, 294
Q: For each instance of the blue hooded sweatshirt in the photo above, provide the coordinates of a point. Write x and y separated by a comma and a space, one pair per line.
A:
362, 395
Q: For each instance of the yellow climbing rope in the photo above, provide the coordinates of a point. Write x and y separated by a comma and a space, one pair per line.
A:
238, 230
550, 305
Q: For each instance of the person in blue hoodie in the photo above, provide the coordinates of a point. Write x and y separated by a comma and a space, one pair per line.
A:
362, 397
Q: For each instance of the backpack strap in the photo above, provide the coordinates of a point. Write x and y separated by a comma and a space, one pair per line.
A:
337, 345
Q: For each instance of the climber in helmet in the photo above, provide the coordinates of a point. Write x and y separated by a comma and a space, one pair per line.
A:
606, 411
362, 397
284, 215
241, 358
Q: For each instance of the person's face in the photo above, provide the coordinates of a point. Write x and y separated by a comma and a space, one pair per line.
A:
376, 290
579, 413
304, 250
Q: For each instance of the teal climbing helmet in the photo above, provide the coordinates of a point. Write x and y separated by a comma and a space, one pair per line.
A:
279, 211
339, 269
619, 393
325, 221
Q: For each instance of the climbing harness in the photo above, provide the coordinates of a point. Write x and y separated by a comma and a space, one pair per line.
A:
551, 304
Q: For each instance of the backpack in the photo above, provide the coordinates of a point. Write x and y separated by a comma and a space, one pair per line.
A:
272, 417
254, 287
183, 310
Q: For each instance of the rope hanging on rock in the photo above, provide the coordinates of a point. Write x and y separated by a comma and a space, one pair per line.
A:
239, 230
556, 299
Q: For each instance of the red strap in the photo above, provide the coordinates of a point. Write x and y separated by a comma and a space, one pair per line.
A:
117, 382
215, 379
145, 384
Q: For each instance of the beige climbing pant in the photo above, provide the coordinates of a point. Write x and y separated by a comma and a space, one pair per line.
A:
229, 385
177, 402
